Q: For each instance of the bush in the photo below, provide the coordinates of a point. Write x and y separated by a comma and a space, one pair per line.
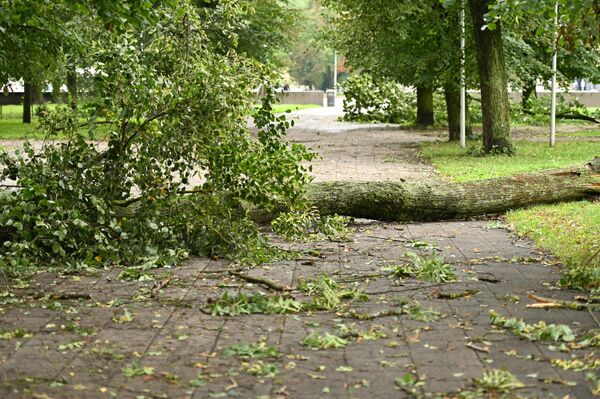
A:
377, 100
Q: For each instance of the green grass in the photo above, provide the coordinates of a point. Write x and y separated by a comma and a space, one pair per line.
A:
453, 161
281, 108
589, 133
571, 231
12, 126
14, 129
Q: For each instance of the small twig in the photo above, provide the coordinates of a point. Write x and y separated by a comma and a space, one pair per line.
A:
257, 280
388, 238
478, 348
63, 296
352, 279
371, 316
456, 295
160, 285
220, 271
586, 299
232, 386
547, 303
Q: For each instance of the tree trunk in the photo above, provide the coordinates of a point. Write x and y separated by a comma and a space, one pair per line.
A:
453, 110
439, 200
424, 106
528, 92
72, 86
27, 103
493, 81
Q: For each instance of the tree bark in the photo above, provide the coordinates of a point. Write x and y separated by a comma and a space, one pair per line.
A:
493, 81
27, 103
528, 92
424, 106
453, 110
438, 200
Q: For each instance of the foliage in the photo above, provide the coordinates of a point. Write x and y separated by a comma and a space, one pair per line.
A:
135, 369
375, 332
370, 99
529, 43
534, 332
570, 231
328, 294
500, 381
252, 351
261, 369
401, 40
267, 31
537, 111
241, 304
409, 383
310, 60
327, 341
430, 268
309, 225
176, 111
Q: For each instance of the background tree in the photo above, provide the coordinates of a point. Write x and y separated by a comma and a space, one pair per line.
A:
493, 80
32, 44
403, 41
310, 60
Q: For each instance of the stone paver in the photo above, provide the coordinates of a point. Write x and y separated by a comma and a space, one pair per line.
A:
109, 338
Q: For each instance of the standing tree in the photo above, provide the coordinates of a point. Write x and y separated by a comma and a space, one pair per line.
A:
493, 80
32, 44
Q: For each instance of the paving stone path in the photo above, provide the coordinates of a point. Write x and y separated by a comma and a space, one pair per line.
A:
102, 336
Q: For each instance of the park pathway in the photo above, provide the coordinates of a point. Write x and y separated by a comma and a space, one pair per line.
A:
102, 335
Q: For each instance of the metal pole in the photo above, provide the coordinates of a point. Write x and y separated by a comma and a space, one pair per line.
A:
463, 103
554, 69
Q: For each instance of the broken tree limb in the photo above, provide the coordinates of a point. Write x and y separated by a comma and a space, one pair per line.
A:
577, 116
257, 280
439, 200
549, 303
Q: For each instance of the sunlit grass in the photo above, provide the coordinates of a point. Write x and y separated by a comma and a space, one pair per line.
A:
281, 108
458, 164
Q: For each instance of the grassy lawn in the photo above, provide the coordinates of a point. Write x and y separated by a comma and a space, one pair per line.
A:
281, 108
588, 133
571, 231
453, 161
12, 127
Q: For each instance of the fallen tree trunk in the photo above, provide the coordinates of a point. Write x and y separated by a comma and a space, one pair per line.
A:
438, 200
